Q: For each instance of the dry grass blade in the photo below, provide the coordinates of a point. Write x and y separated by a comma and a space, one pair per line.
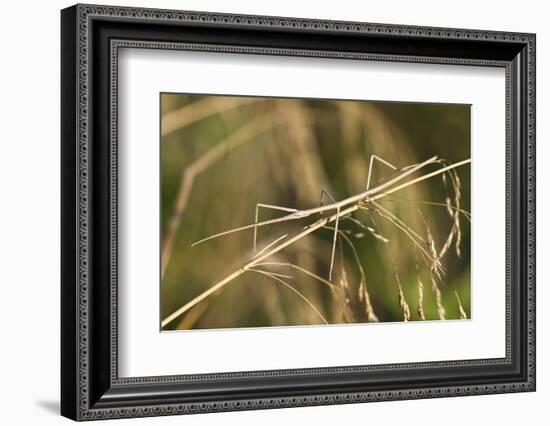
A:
418, 179
343, 296
304, 298
465, 213
461, 311
200, 110
453, 213
194, 314
408, 231
371, 316
438, 298
344, 282
420, 286
275, 274
369, 229
271, 244
299, 268
403, 303
457, 186
434, 272
401, 296
420, 308
239, 137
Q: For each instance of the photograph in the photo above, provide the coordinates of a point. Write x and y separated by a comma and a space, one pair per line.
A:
280, 212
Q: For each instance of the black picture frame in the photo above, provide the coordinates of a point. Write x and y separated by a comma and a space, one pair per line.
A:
90, 38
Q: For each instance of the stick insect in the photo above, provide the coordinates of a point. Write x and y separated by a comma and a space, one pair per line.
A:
335, 206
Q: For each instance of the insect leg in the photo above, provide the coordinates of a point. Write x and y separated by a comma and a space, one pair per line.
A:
323, 193
271, 207
376, 157
334, 243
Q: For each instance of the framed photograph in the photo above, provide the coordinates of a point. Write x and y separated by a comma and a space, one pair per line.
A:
263, 212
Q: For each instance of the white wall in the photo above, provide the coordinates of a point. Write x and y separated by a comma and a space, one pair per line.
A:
29, 210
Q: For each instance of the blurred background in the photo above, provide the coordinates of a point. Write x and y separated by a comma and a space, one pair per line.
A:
221, 155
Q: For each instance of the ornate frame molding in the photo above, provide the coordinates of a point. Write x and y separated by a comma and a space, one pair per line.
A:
91, 400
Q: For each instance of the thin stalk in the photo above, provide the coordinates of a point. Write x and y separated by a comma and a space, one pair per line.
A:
304, 298
242, 135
